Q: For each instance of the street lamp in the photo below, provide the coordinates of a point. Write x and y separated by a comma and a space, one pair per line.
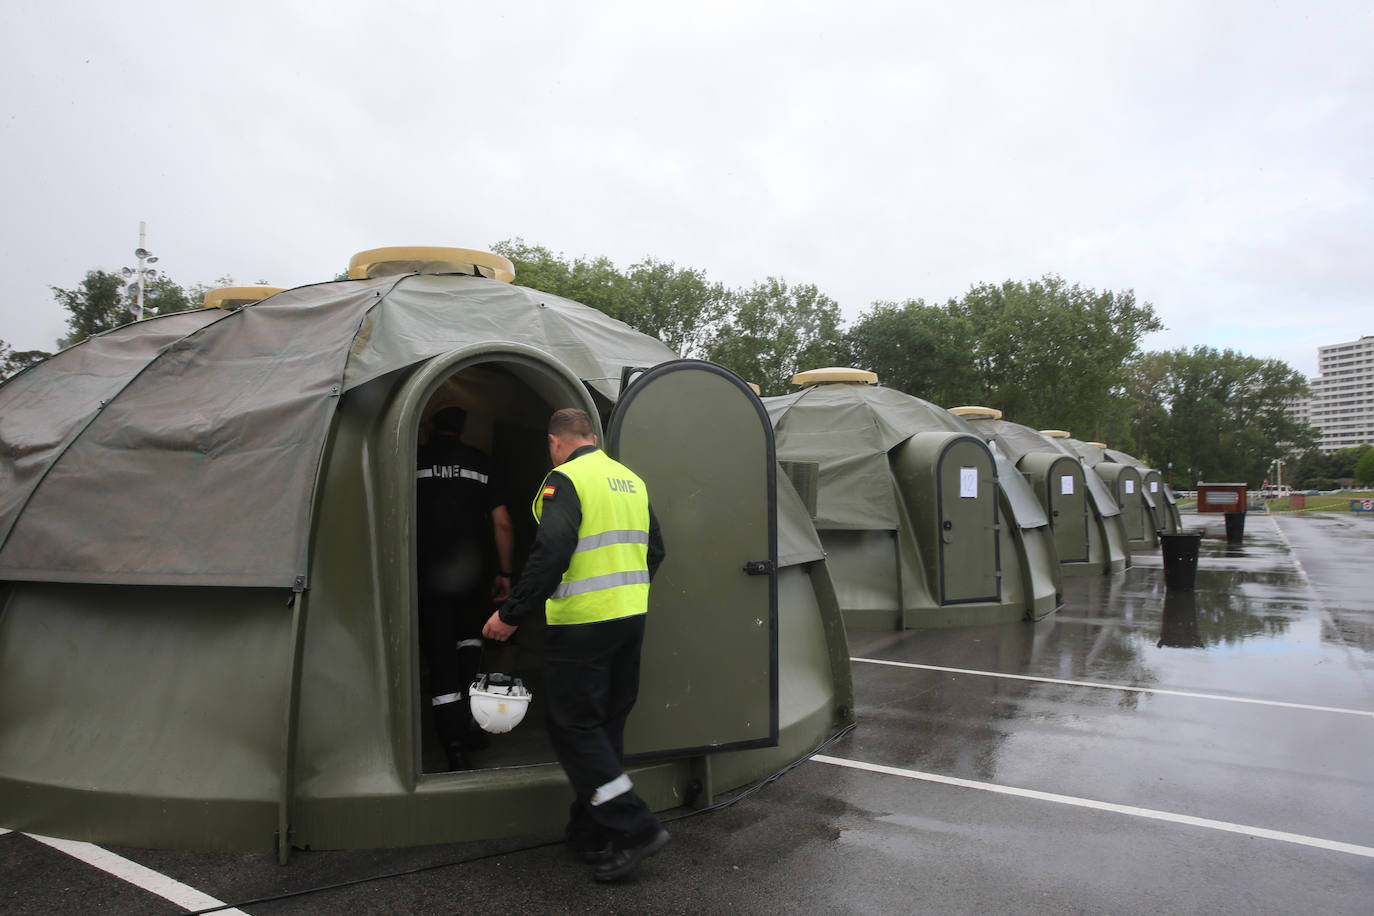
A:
143, 273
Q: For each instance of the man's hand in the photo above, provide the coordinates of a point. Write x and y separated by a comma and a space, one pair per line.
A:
498, 629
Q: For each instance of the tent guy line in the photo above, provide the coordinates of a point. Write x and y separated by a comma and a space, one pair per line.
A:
1149, 813
183, 895
1129, 689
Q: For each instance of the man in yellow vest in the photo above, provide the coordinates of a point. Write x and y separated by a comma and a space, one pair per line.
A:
597, 547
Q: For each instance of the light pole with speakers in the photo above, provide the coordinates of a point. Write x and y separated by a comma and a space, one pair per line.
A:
142, 274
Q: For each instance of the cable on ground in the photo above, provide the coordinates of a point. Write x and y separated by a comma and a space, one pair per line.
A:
719, 806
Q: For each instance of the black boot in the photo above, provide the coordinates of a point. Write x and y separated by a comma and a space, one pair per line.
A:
621, 860
457, 758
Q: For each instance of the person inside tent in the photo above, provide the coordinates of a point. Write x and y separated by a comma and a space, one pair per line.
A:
465, 546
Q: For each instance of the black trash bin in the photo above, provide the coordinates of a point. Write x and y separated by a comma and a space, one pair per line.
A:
1235, 527
1180, 559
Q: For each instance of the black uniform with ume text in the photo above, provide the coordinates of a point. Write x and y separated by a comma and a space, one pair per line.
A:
455, 493
591, 675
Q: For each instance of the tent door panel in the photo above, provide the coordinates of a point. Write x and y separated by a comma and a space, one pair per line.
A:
703, 444
1069, 510
970, 565
1132, 505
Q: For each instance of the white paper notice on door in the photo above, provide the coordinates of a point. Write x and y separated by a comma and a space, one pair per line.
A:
1130, 487
1066, 485
968, 483
1154, 486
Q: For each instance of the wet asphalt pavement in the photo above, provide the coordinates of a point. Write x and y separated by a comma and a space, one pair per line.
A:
1140, 750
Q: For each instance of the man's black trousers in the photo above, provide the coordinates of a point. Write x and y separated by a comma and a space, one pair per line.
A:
445, 621
591, 680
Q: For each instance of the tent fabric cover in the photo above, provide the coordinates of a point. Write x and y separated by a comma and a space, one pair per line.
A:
1090, 455
185, 449
848, 430
1025, 508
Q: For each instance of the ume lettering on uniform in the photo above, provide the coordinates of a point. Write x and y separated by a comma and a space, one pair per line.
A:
447, 471
621, 485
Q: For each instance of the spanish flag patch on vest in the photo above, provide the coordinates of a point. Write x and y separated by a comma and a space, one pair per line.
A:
548, 492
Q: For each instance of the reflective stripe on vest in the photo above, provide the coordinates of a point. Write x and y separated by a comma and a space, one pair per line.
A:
608, 575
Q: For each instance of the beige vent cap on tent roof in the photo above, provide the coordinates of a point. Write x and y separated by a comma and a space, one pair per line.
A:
429, 259
1101, 445
834, 374
1056, 433
977, 413
232, 297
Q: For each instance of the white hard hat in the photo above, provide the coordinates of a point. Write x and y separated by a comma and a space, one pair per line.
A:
499, 702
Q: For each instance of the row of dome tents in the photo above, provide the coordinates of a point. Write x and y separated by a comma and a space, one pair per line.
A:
229, 495
1120, 485
923, 523
937, 518
1154, 503
207, 567
1090, 535
934, 517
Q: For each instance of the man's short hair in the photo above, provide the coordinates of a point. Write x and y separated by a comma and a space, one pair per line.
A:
571, 423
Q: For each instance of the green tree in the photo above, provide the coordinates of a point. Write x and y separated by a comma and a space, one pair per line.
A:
1050, 354
102, 301
1222, 412
96, 304
772, 331
12, 360
677, 305
591, 281
923, 350
536, 266
163, 297
1148, 380
1364, 469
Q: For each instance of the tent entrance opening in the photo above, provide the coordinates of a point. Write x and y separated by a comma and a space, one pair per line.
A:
467, 485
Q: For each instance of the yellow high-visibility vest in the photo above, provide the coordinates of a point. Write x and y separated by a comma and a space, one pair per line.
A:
608, 577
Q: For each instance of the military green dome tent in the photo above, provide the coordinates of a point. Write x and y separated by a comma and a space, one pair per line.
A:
922, 523
1158, 496
1128, 489
1087, 522
207, 589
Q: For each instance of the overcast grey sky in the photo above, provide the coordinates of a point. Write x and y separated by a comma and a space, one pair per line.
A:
1217, 158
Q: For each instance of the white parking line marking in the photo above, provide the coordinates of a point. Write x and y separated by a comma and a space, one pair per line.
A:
182, 895
1260, 832
1100, 686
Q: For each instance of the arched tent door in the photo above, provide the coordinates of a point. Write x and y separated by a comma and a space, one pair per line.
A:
1132, 504
1059, 484
949, 481
1124, 482
1069, 510
969, 571
703, 444
1162, 517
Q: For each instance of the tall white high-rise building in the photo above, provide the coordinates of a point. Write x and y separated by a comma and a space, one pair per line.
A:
1342, 404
